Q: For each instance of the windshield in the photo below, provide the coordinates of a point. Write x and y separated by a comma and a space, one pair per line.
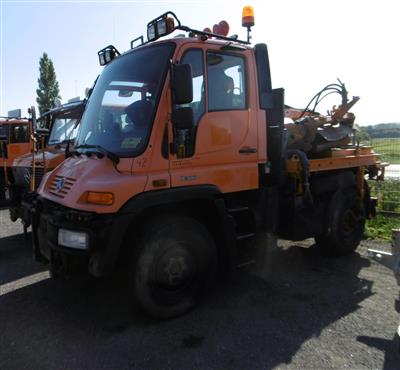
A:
121, 109
63, 130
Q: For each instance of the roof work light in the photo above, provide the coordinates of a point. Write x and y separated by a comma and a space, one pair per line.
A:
107, 54
160, 26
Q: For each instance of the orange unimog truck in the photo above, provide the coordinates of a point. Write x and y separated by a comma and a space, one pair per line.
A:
182, 158
56, 129
15, 140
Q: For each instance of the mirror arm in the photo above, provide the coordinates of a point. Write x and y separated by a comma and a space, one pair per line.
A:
172, 145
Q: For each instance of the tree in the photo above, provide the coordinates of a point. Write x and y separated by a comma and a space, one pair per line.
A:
48, 91
362, 135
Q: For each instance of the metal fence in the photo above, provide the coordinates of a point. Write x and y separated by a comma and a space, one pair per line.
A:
386, 142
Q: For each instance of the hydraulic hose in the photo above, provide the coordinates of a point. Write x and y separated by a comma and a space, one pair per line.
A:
304, 174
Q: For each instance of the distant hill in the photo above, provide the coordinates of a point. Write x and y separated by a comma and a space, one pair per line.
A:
382, 130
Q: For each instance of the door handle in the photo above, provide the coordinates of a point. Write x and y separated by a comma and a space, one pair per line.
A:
247, 150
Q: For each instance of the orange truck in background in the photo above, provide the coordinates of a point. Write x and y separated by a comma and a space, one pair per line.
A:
55, 130
183, 158
15, 140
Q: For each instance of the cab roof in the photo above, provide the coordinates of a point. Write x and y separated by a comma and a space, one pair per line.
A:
13, 121
180, 41
77, 106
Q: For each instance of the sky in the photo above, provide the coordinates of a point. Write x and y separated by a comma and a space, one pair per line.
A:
311, 43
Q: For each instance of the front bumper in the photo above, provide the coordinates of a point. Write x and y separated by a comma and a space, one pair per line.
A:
105, 236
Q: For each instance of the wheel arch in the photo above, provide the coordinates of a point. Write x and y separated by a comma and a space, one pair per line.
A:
203, 203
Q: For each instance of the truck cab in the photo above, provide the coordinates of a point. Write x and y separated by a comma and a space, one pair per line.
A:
15, 140
55, 131
180, 162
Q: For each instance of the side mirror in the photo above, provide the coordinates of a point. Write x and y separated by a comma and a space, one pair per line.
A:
182, 118
32, 112
43, 131
182, 84
264, 76
89, 90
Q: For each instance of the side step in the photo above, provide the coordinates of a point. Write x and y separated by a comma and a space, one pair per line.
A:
238, 209
243, 236
243, 227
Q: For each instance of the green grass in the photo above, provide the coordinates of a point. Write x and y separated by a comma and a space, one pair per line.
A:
388, 148
381, 227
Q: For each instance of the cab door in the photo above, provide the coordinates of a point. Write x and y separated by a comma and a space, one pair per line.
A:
221, 149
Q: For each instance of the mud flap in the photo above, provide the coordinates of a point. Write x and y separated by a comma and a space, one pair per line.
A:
266, 248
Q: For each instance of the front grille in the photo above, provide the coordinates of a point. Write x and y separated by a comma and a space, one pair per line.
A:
23, 177
63, 213
60, 185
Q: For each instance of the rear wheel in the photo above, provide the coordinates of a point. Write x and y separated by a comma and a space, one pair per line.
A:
173, 267
14, 213
344, 224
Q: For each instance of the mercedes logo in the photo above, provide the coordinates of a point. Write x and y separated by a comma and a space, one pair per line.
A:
27, 176
59, 185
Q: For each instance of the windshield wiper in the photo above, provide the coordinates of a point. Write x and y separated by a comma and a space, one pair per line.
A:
110, 155
58, 142
66, 141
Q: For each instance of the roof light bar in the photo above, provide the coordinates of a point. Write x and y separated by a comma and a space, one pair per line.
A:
169, 22
162, 25
107, 54
140, 38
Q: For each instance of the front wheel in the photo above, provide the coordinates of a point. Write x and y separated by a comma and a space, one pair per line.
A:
174, 266
344, 224
3, 198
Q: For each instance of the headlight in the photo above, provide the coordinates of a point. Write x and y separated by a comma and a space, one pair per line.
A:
73, 239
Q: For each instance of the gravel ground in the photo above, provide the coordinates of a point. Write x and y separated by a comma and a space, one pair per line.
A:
308, 312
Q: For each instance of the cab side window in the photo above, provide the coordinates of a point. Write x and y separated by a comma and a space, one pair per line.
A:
20, 134
226, 82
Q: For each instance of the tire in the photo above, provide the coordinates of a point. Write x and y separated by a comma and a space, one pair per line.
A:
397, 343
14, 213
174, 265
57, 266
344, 224
3, 200
54, 274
